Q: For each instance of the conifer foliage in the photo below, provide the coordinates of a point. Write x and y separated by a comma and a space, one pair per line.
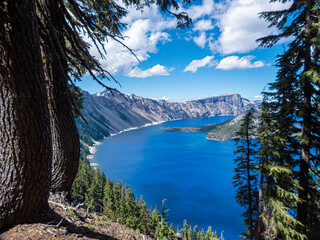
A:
297, 114
119, 204
245, 178
288, 135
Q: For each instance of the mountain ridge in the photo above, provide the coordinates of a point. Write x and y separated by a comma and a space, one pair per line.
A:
109, 113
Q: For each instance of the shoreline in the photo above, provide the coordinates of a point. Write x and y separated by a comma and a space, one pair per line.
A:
93, 148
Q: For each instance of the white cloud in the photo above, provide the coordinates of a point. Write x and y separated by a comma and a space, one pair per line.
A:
234, 62
203, 25
240, 25
258, 97
157, 70
145, 31
207, 8
195, 64
201, 40
203, 16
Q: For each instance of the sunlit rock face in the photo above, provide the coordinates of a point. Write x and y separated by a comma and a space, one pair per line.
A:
116, 112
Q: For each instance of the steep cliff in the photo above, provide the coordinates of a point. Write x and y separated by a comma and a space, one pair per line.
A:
110, 113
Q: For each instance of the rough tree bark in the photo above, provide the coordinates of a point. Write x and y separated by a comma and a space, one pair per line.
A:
25, 143
304, 191
65, 138
258, 234
250, 208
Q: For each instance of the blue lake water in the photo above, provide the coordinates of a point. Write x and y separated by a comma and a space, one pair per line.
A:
192, 173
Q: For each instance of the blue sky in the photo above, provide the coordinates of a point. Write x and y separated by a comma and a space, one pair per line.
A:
218, 54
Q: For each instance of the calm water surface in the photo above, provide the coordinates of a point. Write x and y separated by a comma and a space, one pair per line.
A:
192, 173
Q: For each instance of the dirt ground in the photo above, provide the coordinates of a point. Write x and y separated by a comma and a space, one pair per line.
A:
67, 222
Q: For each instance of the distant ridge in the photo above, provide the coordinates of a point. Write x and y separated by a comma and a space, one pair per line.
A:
109, 113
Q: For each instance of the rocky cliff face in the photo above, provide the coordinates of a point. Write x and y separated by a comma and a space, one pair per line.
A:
113, 113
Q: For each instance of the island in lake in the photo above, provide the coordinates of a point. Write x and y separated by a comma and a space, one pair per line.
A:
217, 132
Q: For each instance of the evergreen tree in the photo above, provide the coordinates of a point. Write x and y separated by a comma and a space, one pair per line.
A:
202, 234
83, 179
184, 234
300, 65
178, 229
109, 202
164, 232
245, 178
195, 233
276, 193
95, 192
131, 209
65, 138
172, 230
190, 234
155, 219
164, 210
145, 220
210, 235
25, 142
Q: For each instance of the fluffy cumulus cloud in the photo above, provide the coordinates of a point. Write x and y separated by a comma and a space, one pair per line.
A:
195, 64
234, 62
203, 25
157, 70
204, 16
145, 31
240, 25
207, 8
227, 27
201, 40
237, 22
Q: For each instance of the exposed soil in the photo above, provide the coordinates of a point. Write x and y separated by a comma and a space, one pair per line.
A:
66, 222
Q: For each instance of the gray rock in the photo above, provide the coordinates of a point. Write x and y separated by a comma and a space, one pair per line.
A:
114, 113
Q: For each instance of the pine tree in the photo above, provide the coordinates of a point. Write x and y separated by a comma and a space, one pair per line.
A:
184, 234
190, 234
65, 138
276, 193
109, 202
155, 216
195, 233
25, 143
145, 220
95, 192
202, 234
172, 233
164, 210
83, 179
210, 234
120, 203
164, 232
131, 209
245, 178
300, 21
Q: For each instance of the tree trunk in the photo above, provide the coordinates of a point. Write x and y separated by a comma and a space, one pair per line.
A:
302, 210
65, 138
260, 207
249, 185
25, 143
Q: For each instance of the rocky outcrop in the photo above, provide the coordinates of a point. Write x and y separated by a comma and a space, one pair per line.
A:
115, 112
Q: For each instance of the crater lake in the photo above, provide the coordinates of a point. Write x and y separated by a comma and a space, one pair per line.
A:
192, 173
